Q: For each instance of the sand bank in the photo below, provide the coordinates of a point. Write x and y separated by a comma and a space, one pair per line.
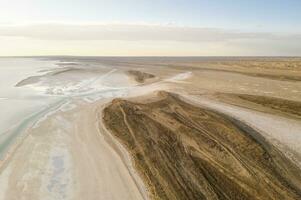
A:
178, 147
70, 154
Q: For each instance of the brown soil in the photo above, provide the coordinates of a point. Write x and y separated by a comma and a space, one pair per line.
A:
186, 152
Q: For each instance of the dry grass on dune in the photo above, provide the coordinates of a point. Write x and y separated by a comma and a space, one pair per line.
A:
186, 152
284, 106
275, 68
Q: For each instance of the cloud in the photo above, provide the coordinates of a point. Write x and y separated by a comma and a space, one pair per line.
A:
142, 39
134, 32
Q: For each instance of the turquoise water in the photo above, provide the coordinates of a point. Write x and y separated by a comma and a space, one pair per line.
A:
20, 106
17, 131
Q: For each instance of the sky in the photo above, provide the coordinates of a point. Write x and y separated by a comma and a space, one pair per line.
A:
150, 28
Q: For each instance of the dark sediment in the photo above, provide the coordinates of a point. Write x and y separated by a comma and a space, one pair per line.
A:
185, 152
139, 76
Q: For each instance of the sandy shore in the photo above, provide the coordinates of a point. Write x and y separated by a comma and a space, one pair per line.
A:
71, 160
69, 153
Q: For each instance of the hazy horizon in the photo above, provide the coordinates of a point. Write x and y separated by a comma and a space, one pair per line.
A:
157, 28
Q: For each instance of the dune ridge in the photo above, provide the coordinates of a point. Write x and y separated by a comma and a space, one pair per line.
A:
186, 152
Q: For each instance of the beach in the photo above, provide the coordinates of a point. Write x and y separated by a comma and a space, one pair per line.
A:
87, 128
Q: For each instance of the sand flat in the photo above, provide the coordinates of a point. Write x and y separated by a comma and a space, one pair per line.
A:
69, 152
69, 162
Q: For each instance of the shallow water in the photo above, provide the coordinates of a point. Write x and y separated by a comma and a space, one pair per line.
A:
34, 108
16, 103
22, 106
